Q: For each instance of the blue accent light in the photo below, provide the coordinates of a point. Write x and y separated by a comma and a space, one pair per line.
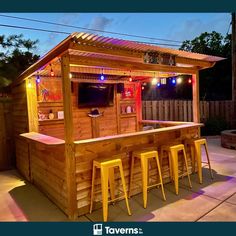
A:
173, 81
102, 77
38, 79
158, 84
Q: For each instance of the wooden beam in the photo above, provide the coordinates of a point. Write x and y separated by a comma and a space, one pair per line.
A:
194, 62
88, 61
138, 104
69, 138
31, 94
51, 55
104, 51
195, 89
122, 53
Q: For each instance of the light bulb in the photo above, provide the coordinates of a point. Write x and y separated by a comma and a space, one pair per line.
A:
154, 81
179, 80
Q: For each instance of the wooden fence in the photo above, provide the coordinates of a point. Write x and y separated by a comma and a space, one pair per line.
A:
6, 134
181, 110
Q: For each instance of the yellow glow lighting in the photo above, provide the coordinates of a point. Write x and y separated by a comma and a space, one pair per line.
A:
179, 80
154, 81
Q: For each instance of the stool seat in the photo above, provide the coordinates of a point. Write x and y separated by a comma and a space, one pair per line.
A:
145, 156
107, 166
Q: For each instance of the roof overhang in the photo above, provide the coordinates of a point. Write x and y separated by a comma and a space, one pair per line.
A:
93, 51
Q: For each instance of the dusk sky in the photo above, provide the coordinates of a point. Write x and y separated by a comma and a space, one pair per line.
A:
172, 26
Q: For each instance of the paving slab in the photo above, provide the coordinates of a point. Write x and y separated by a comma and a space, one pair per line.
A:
187, 206
232, 199
224, 212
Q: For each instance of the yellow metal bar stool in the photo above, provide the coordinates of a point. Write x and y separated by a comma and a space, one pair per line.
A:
173, 155
196, 155
145, 156
107, 175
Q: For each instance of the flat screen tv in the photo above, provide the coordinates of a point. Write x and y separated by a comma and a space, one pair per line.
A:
95, 95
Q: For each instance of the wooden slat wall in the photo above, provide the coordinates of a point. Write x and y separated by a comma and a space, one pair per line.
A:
86, 153
48, 171
20, 114
83, 128
53, 102
54, 128
180, 110
6, 134
22, 157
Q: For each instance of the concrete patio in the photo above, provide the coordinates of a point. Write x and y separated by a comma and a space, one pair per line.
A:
214, 200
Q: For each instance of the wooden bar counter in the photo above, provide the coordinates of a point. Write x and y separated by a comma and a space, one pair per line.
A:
45, 159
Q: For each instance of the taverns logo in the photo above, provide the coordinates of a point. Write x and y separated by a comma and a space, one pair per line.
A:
98, 230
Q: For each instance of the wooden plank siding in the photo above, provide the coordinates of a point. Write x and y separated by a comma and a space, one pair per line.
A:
87, 152
6, 134
20, 113
181, 110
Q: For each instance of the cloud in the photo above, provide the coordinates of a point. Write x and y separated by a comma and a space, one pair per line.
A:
191, 28
100, 23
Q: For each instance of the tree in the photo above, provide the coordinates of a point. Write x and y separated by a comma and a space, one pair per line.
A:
16, 55
215, 83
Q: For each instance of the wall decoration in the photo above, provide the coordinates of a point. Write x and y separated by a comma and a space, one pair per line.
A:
128, 93
158, 58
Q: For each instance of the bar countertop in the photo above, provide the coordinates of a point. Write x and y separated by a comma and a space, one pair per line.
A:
179, 126
41, 138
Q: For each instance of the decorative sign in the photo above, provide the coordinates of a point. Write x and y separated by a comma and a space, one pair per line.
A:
128, 93
157, 58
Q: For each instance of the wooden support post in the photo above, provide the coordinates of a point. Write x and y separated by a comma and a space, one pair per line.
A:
69, 138
32, 104
138, 98
195, 88
233, 119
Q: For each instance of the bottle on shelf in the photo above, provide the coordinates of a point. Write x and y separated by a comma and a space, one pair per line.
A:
51, 115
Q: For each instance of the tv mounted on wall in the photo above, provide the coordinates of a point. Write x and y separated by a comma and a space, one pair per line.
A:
95, 95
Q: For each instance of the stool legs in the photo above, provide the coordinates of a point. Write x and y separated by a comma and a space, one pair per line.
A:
199, 162
186, 164
124, 188
160, 176
174, 162
198, 156
144, 159
208, 160
104, 183
92, 190
144, 167
175, 168
131, 176
112, 183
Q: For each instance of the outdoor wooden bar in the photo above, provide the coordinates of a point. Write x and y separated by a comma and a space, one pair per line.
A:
46, 162
57, 139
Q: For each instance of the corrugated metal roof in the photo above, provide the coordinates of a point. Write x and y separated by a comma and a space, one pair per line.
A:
102, 41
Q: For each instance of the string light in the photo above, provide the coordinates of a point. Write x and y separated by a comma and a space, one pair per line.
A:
51, 72
38, 78
154, 81
173, 81
143, 88
163, 81
189, 81
130, 77
179, 80
29, 85
102, 77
